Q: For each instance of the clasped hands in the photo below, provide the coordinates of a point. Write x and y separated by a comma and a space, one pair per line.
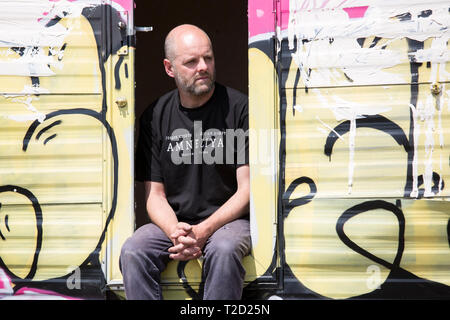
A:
188, 241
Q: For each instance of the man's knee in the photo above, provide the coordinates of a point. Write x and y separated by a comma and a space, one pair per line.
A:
225, 249
229, 242
133, 251
128, 254
146, 247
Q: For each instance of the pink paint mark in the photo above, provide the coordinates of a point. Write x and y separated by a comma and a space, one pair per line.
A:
43, 292
5, 284
261, 16
125, 4
356, 12
260, 23
324, 4
2, 284
5, 281
121, 5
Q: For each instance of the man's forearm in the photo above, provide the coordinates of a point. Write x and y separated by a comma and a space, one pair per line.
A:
234, 208
161, 213
231, 210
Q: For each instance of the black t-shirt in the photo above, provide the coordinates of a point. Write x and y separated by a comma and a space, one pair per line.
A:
194, 152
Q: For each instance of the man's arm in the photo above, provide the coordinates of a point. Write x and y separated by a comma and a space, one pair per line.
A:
233, 209
159, 210
162, 214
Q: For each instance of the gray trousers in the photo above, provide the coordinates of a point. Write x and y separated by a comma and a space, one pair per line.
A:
144, 256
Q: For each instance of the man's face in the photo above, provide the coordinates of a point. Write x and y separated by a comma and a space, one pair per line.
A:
193, 66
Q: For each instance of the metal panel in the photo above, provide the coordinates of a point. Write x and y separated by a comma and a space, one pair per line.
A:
62, 137
365, 200
368, 155
363, 158
47, 43
365, 43
61, 161
321, 260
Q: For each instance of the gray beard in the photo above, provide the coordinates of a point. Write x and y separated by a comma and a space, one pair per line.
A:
200, 91
193, 89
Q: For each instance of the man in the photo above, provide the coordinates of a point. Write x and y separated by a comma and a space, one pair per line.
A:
194, 165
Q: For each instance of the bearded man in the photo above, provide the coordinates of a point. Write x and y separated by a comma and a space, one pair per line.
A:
192, 155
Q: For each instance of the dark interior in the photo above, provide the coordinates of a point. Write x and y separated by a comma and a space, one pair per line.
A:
226, 24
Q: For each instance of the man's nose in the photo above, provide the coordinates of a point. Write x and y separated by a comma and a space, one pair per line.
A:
202, 65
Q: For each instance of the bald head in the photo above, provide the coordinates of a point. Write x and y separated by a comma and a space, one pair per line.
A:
190, 61
181, 36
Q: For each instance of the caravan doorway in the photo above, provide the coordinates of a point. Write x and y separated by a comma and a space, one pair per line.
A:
226, 24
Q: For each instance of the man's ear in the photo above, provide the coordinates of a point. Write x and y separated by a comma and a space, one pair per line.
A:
169, 68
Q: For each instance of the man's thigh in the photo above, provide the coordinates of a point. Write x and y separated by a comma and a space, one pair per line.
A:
233, 236
151, 241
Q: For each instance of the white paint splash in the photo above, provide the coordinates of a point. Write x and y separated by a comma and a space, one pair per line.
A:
415, 184
33, 63
259, 13
329, 129
325, 40
428, 116
28, 90
351, 154
351, 111
34, 115
25, 25
31, 45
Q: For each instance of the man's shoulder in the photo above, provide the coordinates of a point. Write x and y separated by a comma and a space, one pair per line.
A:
157, 106
233, 93
236, 100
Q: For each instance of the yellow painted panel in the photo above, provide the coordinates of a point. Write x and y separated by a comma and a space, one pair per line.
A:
373, 46
64, 198
370, 160
52, 248
263, 149
321, 261
60, 160
67, 61
122, 121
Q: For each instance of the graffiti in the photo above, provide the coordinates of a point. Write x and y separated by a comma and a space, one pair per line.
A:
352, 197
7, 292
37, 223
322, 49
58, 144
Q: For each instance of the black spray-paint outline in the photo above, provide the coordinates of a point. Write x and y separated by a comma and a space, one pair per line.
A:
389, 127
365, 207
1, 234
377, 122
114, 152
58, 122
105, 48
39, 220
284, 202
